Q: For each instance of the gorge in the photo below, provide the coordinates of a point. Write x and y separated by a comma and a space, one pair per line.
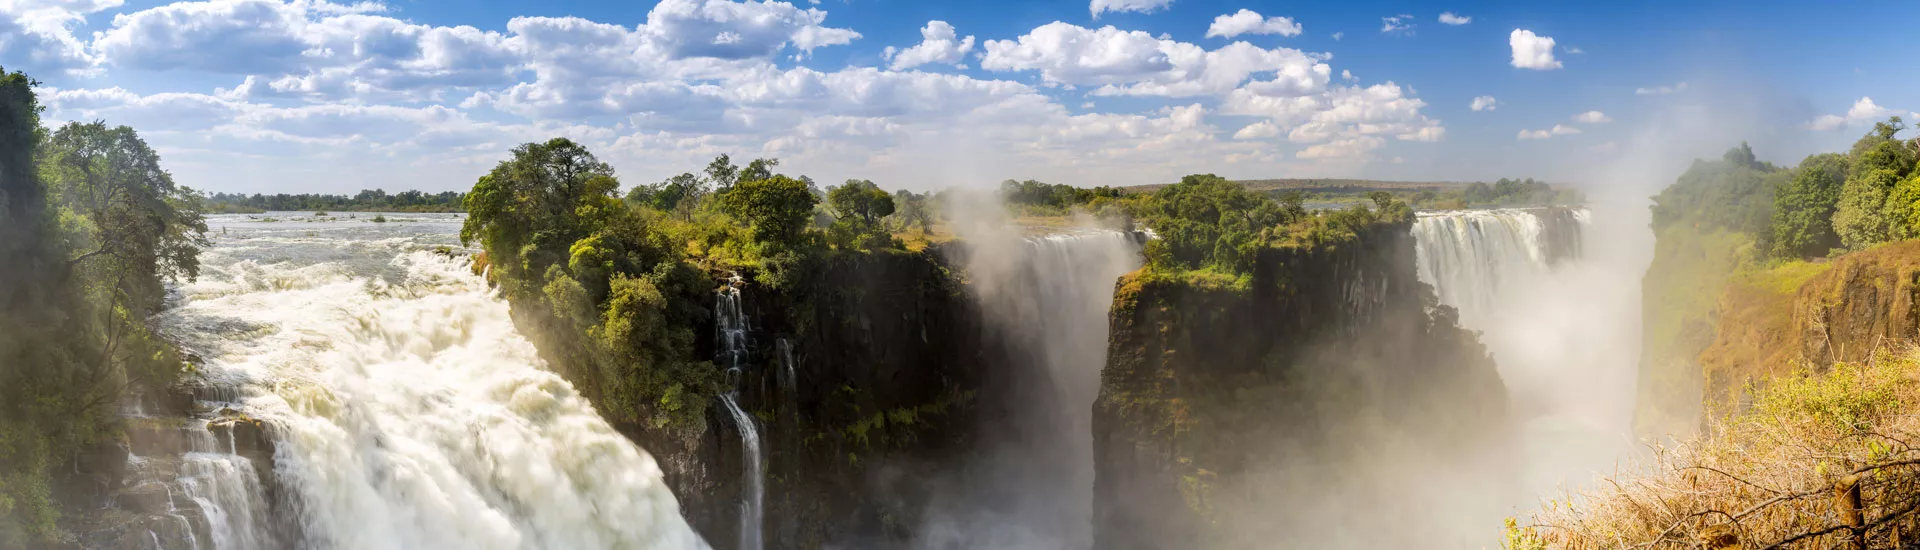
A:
380, 386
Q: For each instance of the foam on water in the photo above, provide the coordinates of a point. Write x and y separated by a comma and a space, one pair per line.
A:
408, 411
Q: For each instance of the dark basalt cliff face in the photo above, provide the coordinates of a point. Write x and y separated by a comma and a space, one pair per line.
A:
1289, 412
892, 375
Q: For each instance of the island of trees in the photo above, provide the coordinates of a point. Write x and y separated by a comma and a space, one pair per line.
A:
371, 200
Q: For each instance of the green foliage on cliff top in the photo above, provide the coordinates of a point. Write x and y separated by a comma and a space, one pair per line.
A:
1737, 214
91, 229
606, 289
1212, 230
613, 288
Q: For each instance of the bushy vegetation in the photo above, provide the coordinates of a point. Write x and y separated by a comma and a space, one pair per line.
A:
91, 229
1829, 202
1210, 225
1821, 460
1731, 193
1034, 197
371, 200
615, 285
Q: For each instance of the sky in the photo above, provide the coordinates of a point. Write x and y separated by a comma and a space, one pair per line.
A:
274, 96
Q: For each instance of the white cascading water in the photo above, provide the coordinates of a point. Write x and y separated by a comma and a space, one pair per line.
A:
407, 411
1563, 334
730, 322
227, 488
1470, 255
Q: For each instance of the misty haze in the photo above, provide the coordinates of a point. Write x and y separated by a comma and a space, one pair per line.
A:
838, 275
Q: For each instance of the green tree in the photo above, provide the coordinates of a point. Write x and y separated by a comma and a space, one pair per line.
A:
721, 173
1874, 207
760, 169
1730, 193
1803, 208
140, 226
860, 199
911, 211
30, 299
91, 229
527, 212
1207, 221
778, 209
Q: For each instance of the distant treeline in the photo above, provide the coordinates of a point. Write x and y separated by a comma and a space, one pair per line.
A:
1505, 192
371, 200
1433, 195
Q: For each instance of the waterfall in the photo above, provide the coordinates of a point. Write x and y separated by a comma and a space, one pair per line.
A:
1472, 256
1557, 305
1047, 298
227, 488
406, 411
731, 323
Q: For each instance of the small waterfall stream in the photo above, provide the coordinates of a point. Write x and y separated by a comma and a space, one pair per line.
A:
731, 323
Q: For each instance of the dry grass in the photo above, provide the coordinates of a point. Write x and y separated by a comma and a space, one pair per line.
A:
1784, 474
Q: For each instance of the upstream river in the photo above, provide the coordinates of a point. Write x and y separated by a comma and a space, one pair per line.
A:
409, 411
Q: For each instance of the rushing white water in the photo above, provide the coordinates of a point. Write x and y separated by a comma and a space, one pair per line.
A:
407, 411
731, 323
227, 488
1469, 256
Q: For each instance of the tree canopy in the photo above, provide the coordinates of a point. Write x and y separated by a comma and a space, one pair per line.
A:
91, 229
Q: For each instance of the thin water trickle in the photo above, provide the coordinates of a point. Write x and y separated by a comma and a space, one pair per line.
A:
730, 321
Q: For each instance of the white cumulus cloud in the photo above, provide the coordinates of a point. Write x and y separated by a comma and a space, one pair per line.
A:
1450, 18
1862, 113
1248, 21
1485, 103
937, 45
1531, 51
1592, 117
1135, 63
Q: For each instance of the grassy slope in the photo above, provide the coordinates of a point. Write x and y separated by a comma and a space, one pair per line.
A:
1812, 378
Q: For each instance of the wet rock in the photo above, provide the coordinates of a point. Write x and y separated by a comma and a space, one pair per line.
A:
162, 532
242, 435
108, 459
150, 497
159, 436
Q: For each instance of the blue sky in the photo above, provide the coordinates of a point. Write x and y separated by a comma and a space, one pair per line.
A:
312, 96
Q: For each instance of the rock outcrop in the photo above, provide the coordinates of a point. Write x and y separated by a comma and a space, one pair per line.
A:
1284, 413
1810, 316
889, 369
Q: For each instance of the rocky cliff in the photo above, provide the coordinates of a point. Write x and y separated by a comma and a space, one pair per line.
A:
1294, 410
1809, 316
863, 372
